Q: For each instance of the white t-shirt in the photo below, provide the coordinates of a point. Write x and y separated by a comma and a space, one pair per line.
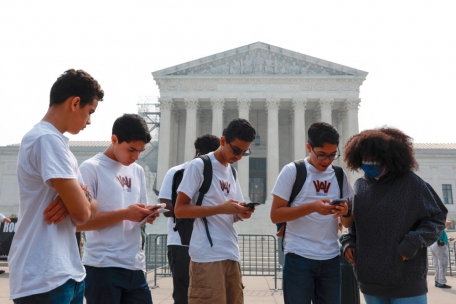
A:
166, 193
42, 256
223, 188
313, 236
115, 186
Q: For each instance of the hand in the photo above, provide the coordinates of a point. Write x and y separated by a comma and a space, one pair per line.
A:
247, 214
340, 210
6, 220
403, 258
451, 239
231, 206
323, 207
349, 255
137, 212
55, 212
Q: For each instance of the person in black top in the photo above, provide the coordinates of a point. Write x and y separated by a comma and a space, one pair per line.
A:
396, 216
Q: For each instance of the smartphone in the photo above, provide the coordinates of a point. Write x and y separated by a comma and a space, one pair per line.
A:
252, 205
156, 206
162, 210
338, 201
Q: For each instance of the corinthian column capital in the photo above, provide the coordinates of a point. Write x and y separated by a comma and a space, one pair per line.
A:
326, 104
353, 103
166, 103
244, 104
272, 104
217, 103
191, 103
299, 104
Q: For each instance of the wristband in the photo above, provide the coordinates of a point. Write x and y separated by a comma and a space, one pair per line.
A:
349, 213
238, 217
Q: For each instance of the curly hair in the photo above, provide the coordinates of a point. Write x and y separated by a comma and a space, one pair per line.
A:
75, 83
389, 147
207, 143
241, 129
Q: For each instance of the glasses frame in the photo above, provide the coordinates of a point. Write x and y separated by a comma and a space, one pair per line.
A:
325, 157
237, 151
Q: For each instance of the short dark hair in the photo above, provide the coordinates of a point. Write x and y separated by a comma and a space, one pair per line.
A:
390, 147
241, 129
131, 127
207, 143
75, 83
322, 132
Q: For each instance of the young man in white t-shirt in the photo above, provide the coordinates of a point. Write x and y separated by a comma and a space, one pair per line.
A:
44, 256
178, 258
312, 268
215, 272
113, 257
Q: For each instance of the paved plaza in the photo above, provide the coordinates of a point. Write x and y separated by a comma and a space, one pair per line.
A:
258, 290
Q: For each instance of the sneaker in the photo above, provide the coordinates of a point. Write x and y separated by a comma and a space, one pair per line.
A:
442, 285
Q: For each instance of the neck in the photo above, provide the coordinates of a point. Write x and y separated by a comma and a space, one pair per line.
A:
57, 118
110, 153
218, 156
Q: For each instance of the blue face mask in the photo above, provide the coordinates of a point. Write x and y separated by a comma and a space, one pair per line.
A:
372, 170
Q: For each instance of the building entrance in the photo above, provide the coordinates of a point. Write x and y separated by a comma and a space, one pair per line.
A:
257, 180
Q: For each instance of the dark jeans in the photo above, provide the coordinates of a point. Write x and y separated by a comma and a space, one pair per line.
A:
179, 262
302, 278
71, 292
113, 285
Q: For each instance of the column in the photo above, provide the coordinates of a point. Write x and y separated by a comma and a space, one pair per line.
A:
217, 105
340, 118
243, 165
299, 126
326, 109
272, 166
352, 129
174, 137
191, 104
166, 107
352, 116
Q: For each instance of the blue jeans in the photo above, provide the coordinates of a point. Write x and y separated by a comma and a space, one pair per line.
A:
303, 278
386, 300
71, 292
111, 285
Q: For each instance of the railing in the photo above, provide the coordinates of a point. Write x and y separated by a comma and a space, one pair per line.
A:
258, 256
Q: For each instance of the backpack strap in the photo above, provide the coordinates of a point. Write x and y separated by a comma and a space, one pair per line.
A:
234, 172
301, 175
207, 180
340, 179
177, 178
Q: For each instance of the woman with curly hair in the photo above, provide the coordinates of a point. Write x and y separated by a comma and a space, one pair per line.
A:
396, 216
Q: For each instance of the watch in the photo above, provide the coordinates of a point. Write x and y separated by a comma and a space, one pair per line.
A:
89, 198
349, 213
238, 217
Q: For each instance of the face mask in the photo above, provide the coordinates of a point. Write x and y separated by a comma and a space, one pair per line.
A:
372, 170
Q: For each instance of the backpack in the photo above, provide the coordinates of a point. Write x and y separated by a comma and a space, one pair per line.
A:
185, 225
301, 175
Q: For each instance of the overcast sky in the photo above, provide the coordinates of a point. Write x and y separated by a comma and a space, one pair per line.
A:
408, 48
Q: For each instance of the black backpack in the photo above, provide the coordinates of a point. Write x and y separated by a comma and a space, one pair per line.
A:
301, 175
185, 225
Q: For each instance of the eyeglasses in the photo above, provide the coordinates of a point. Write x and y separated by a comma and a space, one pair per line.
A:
325, 157
237, 151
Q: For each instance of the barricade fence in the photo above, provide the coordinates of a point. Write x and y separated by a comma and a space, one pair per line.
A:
258, 256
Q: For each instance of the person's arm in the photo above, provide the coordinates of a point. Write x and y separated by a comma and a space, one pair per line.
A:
347, 221
349, 243
78, 206
134, 213
429, 227
4, 219
169, 206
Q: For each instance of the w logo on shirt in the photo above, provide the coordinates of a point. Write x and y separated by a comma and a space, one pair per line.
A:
124, 182
322, 186
225, 186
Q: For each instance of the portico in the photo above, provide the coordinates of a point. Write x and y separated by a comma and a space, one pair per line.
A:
279, 91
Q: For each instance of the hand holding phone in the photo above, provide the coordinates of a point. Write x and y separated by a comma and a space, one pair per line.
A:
156, 210
338, 201
252, 205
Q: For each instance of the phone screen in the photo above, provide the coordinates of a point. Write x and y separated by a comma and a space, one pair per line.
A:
338, 201
252, 205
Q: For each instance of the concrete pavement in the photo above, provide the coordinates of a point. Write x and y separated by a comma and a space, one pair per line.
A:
258, 290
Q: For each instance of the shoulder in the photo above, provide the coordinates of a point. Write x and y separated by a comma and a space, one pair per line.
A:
174, 169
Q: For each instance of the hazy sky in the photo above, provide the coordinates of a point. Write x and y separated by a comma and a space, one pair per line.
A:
408, 48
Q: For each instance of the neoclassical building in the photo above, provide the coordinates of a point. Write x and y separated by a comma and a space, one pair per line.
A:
280, 92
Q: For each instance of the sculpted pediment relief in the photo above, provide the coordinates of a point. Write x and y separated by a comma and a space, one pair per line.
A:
259, 62
259, 59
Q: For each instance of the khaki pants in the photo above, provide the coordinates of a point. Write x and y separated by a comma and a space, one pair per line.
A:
215, 282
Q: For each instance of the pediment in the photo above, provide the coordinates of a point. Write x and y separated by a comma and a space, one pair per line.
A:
258, 59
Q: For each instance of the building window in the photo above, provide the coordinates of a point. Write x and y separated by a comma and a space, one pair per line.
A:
447, 194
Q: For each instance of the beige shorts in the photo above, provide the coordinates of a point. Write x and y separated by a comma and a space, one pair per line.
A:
215, 282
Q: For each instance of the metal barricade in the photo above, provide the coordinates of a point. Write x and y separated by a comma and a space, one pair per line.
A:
258, 256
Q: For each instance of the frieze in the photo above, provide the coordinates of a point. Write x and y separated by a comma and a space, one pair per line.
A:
260, 62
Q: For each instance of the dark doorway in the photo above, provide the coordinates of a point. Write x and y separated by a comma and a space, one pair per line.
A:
257, 180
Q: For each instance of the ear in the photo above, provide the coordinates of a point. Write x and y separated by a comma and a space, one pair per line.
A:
114, 139
309, 147
222, 141
74, 103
